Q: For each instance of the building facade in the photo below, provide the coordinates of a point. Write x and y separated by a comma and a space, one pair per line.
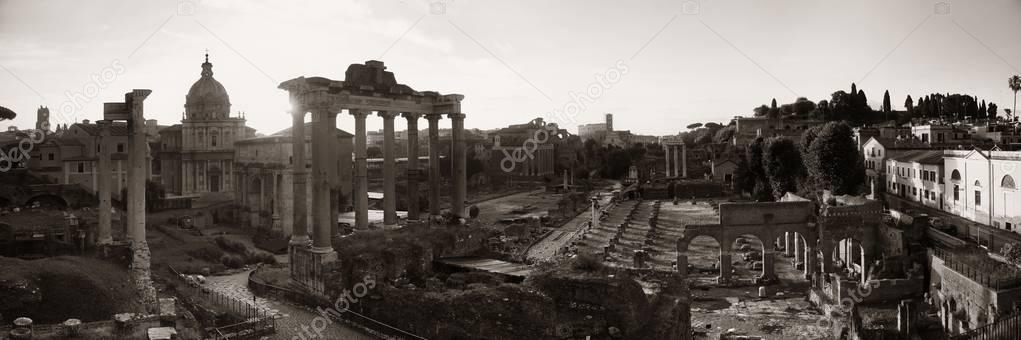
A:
917, 176
982, 186
197, 156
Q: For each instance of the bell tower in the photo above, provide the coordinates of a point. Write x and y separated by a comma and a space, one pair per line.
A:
42, 118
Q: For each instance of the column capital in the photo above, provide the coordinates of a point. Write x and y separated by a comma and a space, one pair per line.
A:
358, 113
456, 115
411, 116
389, 115
433, 116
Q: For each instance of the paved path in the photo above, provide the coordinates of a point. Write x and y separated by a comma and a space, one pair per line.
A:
562, 237
292, 317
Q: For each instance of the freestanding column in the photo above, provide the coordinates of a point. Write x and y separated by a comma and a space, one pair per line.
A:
725, 267
787, 244
361, 199
389, 171
299, 233
104, 235
321, 164
136, 173
434, 164
412, 165
677, 165
768, 272
666, 159
684, 160
460, 170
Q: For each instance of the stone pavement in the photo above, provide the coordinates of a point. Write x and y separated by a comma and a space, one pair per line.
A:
291, 317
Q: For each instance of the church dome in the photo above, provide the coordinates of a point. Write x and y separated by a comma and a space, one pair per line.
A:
207, 98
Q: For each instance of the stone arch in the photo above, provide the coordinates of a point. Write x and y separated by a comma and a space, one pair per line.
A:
689, 259
750, 256
45, 200
850, 253
690, 234
255, 193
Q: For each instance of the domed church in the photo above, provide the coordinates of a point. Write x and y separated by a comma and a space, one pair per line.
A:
197, 156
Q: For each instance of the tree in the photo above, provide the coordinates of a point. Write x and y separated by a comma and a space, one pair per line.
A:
803, 106
773, 105
991, 113
886, 101
982, 109
760, 190
712, 125
694, 126
725, 135
761, 111
1014, 82
373, 152
909, 104
6, 114
781, 162
1012, 252
618, 162
833, 161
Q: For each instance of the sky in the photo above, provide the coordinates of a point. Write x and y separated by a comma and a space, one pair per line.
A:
663, 64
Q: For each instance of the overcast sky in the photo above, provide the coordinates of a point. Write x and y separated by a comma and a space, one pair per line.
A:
686, 62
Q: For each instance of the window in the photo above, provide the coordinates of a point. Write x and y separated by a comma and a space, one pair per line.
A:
212, 139
978, 198
120, 147
1007, 182
290, 160
957, 193
914, 191
955, 176
50, 156
81, 167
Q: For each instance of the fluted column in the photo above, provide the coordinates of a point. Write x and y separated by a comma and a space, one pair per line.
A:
389, 171
434, 164
104, 235
412, 165
684, 160
361, 195
460, 169
299, 231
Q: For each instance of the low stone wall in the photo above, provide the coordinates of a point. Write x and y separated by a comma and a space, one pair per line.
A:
134, 329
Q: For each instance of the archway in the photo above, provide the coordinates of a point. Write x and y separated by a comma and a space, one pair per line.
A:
47, 201
701, 257
749, 256
255, 197
849, 260
793, 248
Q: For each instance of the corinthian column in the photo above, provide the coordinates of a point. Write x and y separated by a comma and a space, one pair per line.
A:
434, 164
105, 237
460, 170
323, 121
412, 165
361, 195
299, 233
389, 171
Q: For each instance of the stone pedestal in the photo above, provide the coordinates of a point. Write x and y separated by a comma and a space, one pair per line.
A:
768, 273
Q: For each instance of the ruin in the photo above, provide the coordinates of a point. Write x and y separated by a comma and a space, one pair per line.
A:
366, 88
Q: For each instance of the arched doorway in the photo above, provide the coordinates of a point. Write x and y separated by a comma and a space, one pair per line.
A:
849, 260
701, 257
749, 259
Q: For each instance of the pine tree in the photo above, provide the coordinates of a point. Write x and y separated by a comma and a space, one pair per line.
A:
886, 101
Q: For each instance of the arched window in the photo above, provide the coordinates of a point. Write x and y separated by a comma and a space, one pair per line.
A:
955, 176
1008, 182
978, 184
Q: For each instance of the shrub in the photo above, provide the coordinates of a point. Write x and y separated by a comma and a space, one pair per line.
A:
230, 245
208, 253
232, 261
260, 256
588, 262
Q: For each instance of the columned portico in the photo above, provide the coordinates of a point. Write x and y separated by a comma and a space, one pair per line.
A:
361, 192
459, 171
389, 171
412, 165
104, 236
434, 164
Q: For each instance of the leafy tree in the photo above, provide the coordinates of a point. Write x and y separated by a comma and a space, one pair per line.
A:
617, 164
712, 125
761, 111
773, 105
760, 190
803, 106
983, 109
6, 114
833, 161
694, 126
725, 135
781, 162
991, 113
909, 104
374, 152
1012, 252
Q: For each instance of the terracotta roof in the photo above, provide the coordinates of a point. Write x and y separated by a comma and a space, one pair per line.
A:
920, 156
